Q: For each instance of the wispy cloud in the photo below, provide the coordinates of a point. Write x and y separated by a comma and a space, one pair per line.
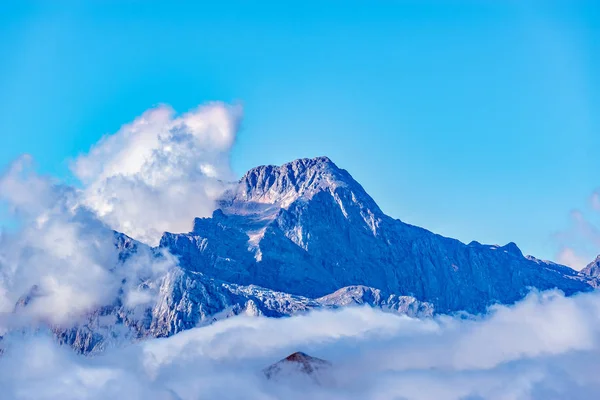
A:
161, 171
62, 260
568, 256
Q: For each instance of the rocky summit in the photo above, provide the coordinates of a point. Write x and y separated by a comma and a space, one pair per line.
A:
300, 365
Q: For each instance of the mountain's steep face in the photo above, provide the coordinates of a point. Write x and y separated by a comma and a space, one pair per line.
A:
190, 299
181, 299
184, 300
187, 299
593, 268
308, 228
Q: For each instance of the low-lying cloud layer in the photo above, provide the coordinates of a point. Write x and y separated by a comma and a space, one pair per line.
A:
545, 347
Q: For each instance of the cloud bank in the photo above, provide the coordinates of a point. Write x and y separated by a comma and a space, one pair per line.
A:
161, 171
63, 261
545, 347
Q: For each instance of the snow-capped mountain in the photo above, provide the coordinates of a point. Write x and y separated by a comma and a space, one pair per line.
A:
302, 236
308, 228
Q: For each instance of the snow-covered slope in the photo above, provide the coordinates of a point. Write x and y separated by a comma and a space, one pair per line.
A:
308, 228
363, 295
190, 299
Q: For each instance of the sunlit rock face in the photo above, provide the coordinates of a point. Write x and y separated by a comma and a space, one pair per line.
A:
308, 228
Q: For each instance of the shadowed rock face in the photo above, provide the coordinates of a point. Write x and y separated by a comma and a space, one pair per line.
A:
308, 228
297, 366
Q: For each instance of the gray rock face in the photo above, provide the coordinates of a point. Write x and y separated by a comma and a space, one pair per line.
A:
593, 268
300, 365
185, 298
363, 295
190, 299
308, 228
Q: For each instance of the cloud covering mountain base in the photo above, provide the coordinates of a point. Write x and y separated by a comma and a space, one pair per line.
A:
544, 347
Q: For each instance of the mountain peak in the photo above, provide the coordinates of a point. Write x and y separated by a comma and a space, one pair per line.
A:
513, 249
271, 185
294, 170
298, 364
298, 357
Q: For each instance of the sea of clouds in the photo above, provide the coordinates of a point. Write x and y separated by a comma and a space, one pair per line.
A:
545, 347
158, 173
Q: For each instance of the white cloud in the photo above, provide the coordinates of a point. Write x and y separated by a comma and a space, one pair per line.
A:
580, 243
62, 259
545, 347
568, 256
161, 171
595, 200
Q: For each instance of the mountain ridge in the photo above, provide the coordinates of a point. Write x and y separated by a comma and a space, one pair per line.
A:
309, 228
305, 236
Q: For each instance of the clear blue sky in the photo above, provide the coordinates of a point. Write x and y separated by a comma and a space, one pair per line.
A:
475, 119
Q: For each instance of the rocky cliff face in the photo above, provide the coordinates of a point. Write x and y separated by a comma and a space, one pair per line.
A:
593, 268
308, 228
190, 299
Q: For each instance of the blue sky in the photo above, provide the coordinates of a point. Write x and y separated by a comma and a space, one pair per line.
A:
475, 119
